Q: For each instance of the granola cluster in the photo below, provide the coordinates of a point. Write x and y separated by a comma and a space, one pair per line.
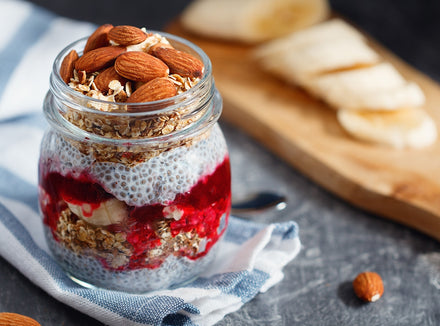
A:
124, 127
188, 241
83, 238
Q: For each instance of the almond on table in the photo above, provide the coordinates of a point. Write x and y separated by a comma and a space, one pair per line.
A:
368, 286
128, 58
10, 318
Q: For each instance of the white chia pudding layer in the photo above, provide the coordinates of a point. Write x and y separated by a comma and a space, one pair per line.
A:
156, 180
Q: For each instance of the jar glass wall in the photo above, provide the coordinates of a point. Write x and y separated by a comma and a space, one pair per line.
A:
134, 197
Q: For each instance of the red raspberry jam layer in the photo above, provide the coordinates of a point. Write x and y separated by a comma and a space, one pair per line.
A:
202, 211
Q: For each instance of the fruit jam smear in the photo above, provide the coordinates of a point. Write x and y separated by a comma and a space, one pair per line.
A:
199, 214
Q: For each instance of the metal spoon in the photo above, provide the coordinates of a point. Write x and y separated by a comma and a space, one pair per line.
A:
259, 202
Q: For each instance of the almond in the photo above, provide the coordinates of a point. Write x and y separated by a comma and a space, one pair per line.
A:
99, 38
179, 62
67, 66
140, 66
159, 45
98, 59
126, 35
368, 286
12, 319
154, 90
105, 77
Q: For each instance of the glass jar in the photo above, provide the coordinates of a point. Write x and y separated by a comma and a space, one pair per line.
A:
134, 197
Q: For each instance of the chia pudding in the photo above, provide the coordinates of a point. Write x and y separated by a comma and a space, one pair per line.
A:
135, 196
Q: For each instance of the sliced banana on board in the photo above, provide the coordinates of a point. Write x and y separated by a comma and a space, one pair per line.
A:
252, 20
402, 128
302, 64
380, 87
108, 212
324, 32
333, 62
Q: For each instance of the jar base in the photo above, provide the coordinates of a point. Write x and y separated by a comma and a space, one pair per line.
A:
87, 271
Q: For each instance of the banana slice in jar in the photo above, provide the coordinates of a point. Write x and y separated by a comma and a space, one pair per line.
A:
111, 211
252, 20
401, 128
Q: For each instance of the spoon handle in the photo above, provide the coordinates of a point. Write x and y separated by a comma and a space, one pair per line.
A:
259, 202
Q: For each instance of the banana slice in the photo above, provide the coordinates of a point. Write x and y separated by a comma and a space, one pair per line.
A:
252, 20
407, 95
324, 48
301, 65
108, 212
328, 31
379, 87
402, 128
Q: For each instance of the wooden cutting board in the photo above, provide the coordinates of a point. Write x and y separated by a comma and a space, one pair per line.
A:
403, 185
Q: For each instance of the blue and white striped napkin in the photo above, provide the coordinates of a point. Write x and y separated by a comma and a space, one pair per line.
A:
251, 257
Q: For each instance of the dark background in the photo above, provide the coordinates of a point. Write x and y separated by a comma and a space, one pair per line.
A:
408, 28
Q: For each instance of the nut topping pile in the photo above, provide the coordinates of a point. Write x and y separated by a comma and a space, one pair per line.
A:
127, 64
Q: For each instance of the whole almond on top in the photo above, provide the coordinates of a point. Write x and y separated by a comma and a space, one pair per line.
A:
140, 66
368, 286
179, 62
99, 38
13, 319
67, 66
126, 35
105, 77
154, 90
159, 45
98, 59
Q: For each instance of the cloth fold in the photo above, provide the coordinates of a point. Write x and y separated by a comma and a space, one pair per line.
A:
251, 256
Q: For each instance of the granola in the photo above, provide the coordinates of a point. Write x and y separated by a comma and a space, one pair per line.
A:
113, 247
82, 237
